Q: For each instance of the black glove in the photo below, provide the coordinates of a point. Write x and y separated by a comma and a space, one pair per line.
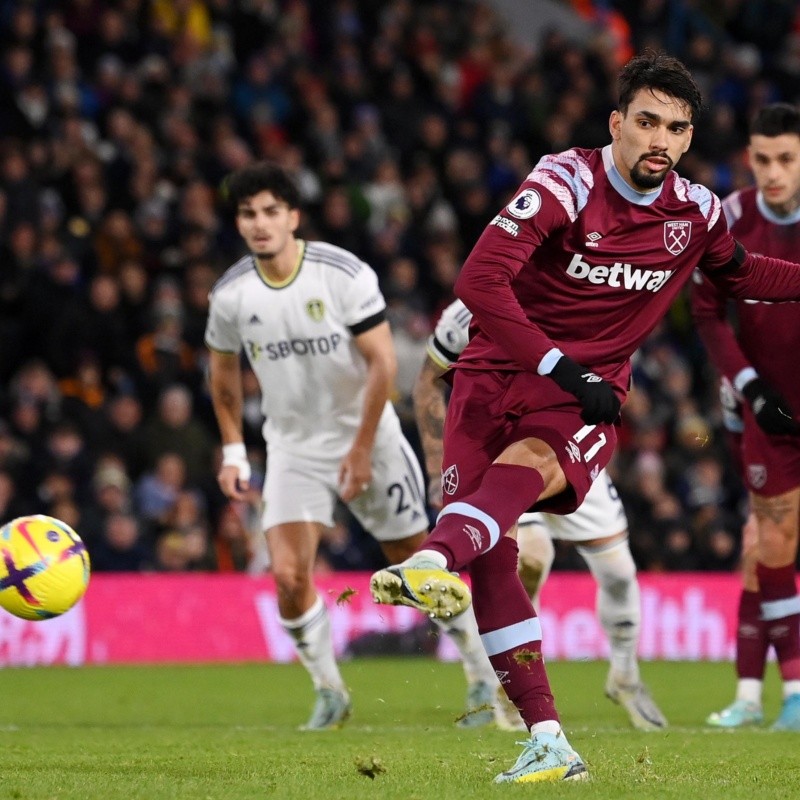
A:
771, 411
599, 402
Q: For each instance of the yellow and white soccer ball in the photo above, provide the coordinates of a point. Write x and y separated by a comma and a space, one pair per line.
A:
44, 567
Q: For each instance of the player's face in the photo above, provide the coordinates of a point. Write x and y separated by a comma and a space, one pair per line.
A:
650, 138
266, 224
775, 161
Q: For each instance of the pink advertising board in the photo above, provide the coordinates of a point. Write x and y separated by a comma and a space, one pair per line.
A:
134, 618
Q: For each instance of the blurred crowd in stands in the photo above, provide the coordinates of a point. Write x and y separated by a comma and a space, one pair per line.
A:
406, 123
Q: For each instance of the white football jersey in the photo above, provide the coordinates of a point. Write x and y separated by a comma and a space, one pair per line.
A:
299, 339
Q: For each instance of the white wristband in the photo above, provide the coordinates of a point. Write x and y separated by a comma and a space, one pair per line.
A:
235, 455
232, 454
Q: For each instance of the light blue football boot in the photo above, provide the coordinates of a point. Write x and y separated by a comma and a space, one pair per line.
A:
739, 714
480, 706
789, 718
330, 711
545, 757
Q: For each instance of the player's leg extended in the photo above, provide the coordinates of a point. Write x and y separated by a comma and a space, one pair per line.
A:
751, 643
304, 616
777, 519
463, 630
610, 561
465, 530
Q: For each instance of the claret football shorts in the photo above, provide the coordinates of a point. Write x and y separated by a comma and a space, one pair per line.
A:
771, 463
489, 411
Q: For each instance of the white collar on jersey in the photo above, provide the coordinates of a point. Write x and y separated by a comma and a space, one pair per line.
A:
622, 186
771, 216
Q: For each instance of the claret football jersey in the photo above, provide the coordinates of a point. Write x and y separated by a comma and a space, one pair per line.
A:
594, 264
768, 334
299, 339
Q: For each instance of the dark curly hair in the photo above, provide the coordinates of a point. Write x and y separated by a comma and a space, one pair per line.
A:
659, 71
263, 176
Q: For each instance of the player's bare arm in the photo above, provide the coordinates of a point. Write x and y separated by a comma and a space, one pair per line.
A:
225, 384
355, 472
429, 411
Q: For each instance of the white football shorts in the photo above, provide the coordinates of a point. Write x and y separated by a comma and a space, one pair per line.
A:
601, 514
305, 489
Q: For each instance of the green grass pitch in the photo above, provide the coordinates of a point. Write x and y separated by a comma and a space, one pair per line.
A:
229, 732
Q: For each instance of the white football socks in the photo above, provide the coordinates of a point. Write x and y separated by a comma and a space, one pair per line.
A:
749, 690
463, 630
618, 605
312, 635
536, 554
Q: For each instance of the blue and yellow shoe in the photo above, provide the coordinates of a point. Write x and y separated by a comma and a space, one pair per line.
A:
789, 718
480, 706
739, 714
421, 584
545, 757
331, 710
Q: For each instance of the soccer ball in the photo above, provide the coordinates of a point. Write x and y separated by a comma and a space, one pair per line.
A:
44, 567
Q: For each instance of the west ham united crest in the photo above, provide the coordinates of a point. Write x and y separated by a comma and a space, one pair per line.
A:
757, 475
676, 236
450, 480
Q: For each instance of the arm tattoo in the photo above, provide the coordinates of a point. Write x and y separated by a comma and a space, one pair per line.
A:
429, 408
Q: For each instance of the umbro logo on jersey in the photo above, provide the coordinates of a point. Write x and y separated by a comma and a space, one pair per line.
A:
573, 451
593, 238
254, 320
619, 276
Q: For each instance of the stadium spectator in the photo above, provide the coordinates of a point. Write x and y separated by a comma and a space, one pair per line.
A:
157, 491
121, 547
111, 494
173, 429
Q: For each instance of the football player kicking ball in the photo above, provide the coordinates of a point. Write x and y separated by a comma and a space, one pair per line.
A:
598, 528
311, 320
760, 363
564, 284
